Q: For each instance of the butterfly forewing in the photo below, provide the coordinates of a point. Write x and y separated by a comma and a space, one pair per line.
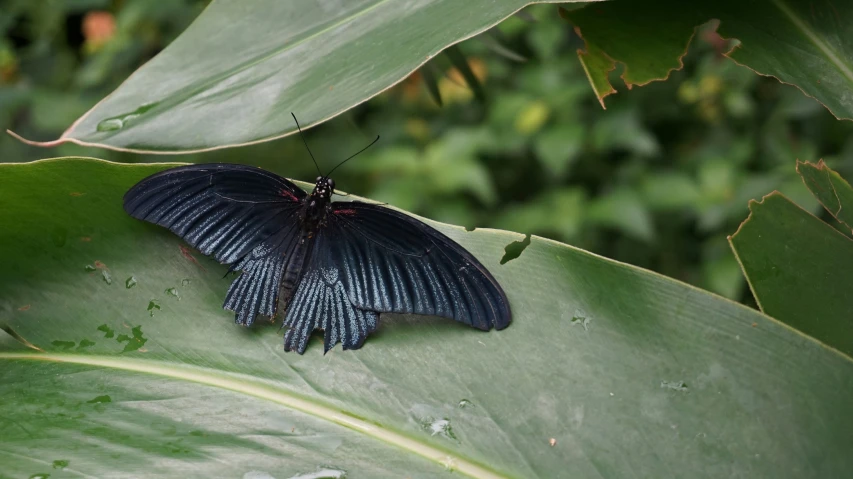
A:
222, 210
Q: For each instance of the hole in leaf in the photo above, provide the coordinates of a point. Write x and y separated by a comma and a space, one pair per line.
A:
514, 249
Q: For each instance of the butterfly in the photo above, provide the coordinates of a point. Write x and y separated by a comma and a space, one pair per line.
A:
330, 265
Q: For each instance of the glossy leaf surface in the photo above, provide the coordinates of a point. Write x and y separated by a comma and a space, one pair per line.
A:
235, 75
606, 370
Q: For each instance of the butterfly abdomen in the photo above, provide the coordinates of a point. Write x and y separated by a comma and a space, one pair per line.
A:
293, 268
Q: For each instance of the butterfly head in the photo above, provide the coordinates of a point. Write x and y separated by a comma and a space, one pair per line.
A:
324, 187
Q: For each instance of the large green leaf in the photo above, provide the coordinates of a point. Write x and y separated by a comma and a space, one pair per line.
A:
799, 268
806, 44
607, 370
235, 75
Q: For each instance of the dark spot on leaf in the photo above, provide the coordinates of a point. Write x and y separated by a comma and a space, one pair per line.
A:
152, 306
108, 332
100, 400
59, 236
61, 463
133, 342
197, 433
64, 344
85, 344
514, 249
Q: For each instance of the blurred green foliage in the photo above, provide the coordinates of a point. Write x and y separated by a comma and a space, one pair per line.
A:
658, 180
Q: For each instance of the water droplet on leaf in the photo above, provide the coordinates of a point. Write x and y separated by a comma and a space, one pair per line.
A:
580, 320
120, 121
130, 282
61, 463
173, 292
89, 268
465, 403
108, 278
185, 282
322, 472
100, 399
111, 124
438, 427
679, 386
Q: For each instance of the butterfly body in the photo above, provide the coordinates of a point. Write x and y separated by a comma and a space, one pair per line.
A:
332, 266
317, 206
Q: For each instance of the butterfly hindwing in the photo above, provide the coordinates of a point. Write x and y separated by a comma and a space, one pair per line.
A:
322, 302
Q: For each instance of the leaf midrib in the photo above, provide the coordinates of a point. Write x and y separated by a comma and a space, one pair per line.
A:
210, 377
807, 32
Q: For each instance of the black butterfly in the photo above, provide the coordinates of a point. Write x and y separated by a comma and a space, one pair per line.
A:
332, 265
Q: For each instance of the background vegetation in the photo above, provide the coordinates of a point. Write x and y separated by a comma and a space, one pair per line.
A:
658, 180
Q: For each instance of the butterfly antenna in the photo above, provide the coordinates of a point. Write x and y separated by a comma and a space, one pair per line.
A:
302, 135
353, 156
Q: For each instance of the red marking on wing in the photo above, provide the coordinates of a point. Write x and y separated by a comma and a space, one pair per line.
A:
289, 195
185, 251
345, 212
